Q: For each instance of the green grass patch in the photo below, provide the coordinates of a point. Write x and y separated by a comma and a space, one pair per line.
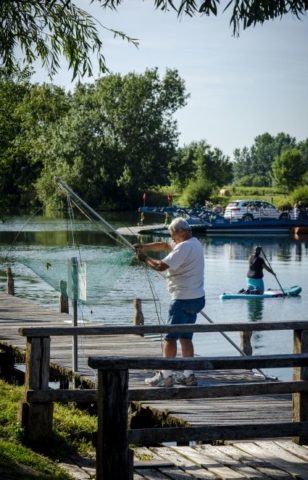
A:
72, 433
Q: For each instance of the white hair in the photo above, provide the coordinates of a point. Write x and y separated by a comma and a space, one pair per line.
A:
177, 224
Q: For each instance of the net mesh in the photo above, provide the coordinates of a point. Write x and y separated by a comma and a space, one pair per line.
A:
85, 274
87, 278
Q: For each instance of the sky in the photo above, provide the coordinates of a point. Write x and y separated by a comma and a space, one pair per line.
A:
239, 87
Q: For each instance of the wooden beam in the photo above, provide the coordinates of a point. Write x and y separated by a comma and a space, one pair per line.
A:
176, 393
210, 433
149, 329
199, 363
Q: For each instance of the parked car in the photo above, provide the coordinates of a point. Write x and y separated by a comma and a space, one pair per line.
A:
248, 210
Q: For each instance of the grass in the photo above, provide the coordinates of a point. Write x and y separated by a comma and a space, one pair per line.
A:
73, 430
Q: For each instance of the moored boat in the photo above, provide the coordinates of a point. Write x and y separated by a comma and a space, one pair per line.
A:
213, 223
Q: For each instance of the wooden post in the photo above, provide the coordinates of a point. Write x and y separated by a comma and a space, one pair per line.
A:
36, 418
10, 282
138, 318
300, 400
246, 342
113, 457
63, 298
74, 270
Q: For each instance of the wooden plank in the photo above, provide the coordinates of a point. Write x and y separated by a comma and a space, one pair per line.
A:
208, 457
231, 457
296, 465
207, 468
260, 465
200, 363
292, 469
176, 393
220, 456
292, 447
160, 329
208, 433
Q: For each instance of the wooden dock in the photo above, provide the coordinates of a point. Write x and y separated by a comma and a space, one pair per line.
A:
235, 460
17, 312
258, 460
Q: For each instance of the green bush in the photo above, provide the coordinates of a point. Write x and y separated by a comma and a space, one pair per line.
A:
197, 192
300, 194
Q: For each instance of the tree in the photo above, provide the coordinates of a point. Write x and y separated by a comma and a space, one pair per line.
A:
199, 160
288, 169
26, 110
241, 165
14, 166
116, 140
256, 163
244, 12
47, 29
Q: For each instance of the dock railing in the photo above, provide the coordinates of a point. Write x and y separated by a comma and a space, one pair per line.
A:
114, 458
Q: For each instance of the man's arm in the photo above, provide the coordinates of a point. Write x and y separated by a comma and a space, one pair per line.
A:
157, 265
152, 247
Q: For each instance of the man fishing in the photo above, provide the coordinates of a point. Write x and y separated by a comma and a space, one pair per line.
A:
185, 279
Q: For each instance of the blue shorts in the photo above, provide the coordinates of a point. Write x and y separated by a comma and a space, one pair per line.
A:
183, 312
255, 283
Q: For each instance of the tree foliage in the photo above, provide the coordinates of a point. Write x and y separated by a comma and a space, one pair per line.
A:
116, 140
244, 13
255, 164
198, 169
47, 30
14, 166
289, 169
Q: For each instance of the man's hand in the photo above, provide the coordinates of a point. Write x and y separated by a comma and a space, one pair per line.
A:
138, 246
141, 256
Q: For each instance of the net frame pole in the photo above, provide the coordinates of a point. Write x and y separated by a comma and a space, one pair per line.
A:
74, 270
74, 195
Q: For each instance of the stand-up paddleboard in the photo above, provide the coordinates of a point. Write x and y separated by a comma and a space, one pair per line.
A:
286, 292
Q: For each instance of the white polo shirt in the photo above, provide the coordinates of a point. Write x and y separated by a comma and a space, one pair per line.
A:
185, 275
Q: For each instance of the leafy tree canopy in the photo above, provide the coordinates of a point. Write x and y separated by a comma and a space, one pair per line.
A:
47, 30
289, 169
244, 13
117, 138
256, 163
199, 160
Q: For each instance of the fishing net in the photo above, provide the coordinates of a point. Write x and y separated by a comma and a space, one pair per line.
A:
87, 278
85, 274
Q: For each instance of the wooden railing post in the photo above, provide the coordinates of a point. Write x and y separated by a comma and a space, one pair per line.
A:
113, 457
246, 342
10, 282
63, 298
300, 400
36, 418
138, 318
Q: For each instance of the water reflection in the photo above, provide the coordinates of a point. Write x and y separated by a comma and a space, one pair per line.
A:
255, 309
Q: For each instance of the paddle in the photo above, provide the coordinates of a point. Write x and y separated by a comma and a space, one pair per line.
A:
285, 294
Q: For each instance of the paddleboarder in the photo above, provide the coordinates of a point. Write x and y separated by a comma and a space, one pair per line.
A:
254, 279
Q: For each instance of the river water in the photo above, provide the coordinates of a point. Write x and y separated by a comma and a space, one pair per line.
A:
53, 241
